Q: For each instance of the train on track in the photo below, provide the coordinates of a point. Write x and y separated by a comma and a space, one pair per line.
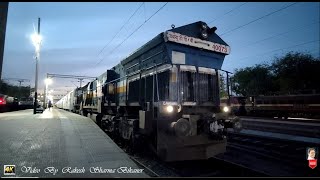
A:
8, 103
281, 106
165, 94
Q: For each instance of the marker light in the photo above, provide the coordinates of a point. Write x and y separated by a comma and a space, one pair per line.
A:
204, 34
204, 26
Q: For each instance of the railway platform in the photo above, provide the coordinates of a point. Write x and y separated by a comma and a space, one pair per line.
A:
58, 143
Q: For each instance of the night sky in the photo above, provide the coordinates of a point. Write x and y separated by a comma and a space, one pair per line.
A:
75, 33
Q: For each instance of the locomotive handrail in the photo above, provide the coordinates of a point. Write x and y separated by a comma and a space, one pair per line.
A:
136, 72
152, 56
114, 80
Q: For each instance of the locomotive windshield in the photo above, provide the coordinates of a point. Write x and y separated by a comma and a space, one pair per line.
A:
188, 85
193, 82
208, 85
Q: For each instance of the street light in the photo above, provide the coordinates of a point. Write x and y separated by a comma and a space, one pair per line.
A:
36, 40
47, 82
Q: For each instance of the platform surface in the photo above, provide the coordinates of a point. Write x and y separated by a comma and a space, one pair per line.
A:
58, 143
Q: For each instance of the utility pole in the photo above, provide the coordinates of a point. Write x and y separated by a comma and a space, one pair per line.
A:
228, 89
3, 25
45, 92
36, 79
80, 82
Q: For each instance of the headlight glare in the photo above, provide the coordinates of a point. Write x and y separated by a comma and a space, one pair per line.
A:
225, 109
169, 109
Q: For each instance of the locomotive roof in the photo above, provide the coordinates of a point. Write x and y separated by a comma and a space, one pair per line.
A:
192, 30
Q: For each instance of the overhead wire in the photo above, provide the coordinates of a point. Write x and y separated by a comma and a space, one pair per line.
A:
264, 16
133, 32
309, 42
121, 28
219, 17
279, 34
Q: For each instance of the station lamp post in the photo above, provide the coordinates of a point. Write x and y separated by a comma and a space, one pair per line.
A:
36, 40
47, 82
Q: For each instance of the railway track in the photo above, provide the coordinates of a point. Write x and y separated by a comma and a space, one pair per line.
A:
304, 120
281, 148
306, 129
213, 167
247, 155
287, 157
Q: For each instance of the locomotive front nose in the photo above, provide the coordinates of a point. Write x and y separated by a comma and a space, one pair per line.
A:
182, 127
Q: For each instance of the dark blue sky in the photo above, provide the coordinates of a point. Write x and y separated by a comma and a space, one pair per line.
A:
75, 33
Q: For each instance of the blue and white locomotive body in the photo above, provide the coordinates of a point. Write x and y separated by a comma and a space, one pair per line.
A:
166, 94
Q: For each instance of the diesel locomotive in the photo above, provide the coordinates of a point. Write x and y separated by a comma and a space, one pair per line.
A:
165, 94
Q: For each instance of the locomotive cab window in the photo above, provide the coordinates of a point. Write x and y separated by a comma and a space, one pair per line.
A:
187, 80
207, 80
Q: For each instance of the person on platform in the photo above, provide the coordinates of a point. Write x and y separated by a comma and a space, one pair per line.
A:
49, 104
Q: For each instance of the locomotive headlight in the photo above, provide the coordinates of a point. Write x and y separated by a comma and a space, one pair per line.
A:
226, 109
169, 109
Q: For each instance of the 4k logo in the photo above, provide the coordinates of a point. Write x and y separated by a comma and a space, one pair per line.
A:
9, 170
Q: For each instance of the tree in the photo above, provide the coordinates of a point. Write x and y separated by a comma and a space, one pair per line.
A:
296, 72
292, 73
14, 91
253, 80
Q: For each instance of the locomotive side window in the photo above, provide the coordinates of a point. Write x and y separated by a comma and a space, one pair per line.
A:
91, 86
133, 91
149, 84
110, 88
94, 86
